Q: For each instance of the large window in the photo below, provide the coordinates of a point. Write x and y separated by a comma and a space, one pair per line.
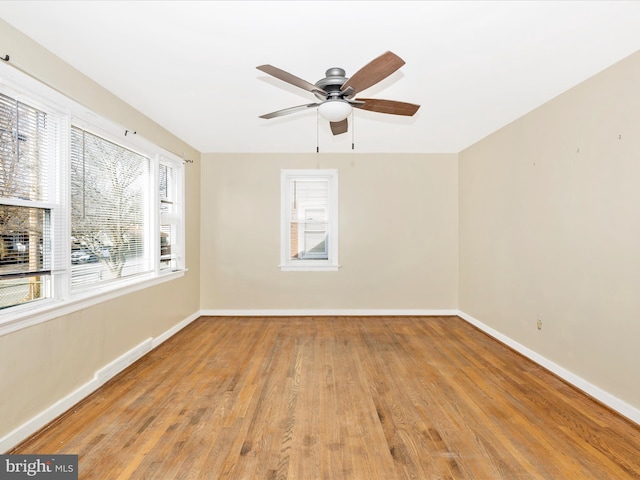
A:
309, 238
108, 215
84, 209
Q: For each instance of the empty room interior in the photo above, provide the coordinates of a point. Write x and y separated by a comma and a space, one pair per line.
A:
318, 239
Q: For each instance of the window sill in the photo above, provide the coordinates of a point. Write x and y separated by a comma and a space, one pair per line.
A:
41, 311
309, 268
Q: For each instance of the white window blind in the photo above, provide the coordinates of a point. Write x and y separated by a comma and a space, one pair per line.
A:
25, 214
309, 219
109, 190
170, 216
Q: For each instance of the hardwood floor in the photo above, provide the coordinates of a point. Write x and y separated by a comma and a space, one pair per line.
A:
340, 398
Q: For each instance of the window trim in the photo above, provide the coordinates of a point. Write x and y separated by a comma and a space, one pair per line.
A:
287, 264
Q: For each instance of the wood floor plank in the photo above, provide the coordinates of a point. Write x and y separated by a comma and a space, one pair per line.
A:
315, 398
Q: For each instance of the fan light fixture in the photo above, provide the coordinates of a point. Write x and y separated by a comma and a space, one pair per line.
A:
335, 110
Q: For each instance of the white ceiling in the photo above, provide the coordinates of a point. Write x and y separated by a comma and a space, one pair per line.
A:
472, 66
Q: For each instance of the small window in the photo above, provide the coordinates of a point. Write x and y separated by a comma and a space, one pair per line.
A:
309, 238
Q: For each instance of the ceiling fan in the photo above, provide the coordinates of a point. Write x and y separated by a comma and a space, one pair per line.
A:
337, 92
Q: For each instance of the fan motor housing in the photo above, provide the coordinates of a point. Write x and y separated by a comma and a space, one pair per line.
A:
333, 81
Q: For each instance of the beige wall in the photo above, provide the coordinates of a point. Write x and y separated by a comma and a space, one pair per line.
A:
398, 231
44, 363
550, 229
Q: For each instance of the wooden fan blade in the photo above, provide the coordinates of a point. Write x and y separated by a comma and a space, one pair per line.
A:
287, 111
339, 127
292, 79
387, 106
376, 70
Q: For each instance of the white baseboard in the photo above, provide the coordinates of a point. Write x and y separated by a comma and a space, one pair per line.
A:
100, 377
602, 396
324, 313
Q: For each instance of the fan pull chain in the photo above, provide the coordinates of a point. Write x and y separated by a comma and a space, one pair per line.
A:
353, 130
317, 131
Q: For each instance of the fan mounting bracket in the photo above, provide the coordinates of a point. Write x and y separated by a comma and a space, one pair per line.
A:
332, 84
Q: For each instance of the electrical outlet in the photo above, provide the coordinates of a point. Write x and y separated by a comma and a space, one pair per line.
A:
539, 324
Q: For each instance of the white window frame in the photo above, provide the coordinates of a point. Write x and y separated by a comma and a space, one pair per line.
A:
287, 263
175, 218
63, 301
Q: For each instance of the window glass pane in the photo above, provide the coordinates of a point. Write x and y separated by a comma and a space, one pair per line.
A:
167, 188
165, 173
167, 247
309, 219
23, 142
108, 217
168, 219
24, 254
